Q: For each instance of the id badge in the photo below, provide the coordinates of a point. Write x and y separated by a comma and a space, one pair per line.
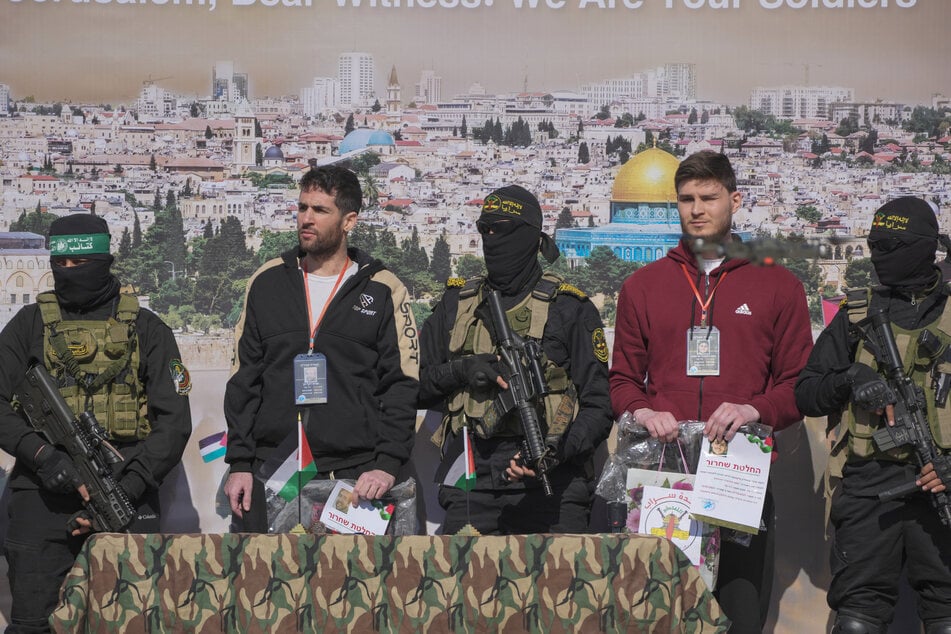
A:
703, 351
310, 379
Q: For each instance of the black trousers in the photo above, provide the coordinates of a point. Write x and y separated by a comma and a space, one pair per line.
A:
522, 511
873, 541
745, 578
40, 551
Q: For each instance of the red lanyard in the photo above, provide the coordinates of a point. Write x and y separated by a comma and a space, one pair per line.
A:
333, 291
704, 305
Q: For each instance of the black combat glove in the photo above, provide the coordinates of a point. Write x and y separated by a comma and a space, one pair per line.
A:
869, 390
478, 371
56, 471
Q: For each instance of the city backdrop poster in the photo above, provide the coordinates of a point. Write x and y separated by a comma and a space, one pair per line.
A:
105, 61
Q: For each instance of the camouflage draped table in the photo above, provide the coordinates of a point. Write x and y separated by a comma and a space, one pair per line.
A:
289, 583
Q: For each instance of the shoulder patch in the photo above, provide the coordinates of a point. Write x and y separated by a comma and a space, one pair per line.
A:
572, 290
600, 345
180, 377
455, 282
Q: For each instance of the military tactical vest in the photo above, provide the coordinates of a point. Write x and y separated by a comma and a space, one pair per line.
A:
96, 364
473, 407
862, 424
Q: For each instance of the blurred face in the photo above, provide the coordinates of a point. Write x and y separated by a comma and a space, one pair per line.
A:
706, 209
321, 226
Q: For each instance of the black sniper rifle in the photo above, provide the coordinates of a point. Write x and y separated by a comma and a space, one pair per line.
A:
522, 370
911, 424
84, 440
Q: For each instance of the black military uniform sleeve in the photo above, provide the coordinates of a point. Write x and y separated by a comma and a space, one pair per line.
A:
823, 387
148, 461
436, 380
574, 340
21, 342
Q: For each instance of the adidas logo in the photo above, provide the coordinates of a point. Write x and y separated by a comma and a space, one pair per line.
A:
744, 310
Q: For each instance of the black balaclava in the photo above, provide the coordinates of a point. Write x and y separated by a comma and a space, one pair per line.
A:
82, 236
903, 241
511, 249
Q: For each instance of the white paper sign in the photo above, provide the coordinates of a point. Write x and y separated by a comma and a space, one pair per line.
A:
368, 517
730, 486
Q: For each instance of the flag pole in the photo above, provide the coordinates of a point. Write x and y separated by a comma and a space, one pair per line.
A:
299, 528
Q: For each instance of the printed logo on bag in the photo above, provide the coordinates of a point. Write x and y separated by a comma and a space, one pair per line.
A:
744, 310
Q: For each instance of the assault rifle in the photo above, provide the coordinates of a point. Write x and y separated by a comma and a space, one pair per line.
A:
522, 370
85, 441
911, 423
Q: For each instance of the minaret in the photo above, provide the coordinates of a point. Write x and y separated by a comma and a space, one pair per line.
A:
394, 105
244, 140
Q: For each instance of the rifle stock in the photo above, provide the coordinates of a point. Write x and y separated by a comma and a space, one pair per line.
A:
84, 440
911, 423
522, 370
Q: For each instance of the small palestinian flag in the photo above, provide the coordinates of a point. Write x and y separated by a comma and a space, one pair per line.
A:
291, 467
458, 471
213, 447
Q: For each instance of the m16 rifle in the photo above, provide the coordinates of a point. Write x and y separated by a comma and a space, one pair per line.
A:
85, 441
911, 423
522, 370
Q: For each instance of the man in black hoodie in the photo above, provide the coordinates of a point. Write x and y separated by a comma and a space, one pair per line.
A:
335, 315
875, 540
84, 329
459, 371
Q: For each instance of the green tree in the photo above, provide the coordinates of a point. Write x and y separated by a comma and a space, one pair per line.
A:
463, 127
258, 133
376, 107
808, 213
258, 155
603, 113
222, 274
34, 222
364, 237
440, 265
152, 164
565, 219
810, 274
469, 265
583, 155
349, 125
194, 110
274, 243
604, 272
860, 273
692, 117
208, 133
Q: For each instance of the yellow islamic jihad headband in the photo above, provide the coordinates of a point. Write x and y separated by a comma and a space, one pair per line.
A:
79, 244
494, 204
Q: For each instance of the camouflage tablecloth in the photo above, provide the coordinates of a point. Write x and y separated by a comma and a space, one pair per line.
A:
303, 583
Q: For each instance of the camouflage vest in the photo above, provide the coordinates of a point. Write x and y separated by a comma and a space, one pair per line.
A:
96, 363
861, 424
469, 335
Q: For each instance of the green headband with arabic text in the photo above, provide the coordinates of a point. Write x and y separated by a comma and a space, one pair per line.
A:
78, 245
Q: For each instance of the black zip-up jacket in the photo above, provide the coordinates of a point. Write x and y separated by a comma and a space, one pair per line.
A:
368, 336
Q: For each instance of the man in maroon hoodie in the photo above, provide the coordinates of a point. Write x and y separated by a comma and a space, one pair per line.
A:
754, 323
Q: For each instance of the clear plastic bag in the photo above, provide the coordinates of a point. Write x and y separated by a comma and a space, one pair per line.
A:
284, 516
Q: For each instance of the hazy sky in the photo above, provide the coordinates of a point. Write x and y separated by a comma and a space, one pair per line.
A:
102, 51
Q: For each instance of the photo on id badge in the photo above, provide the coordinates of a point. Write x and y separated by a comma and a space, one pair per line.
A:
703, 351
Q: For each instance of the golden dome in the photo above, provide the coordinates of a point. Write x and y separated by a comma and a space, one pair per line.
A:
647, 177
